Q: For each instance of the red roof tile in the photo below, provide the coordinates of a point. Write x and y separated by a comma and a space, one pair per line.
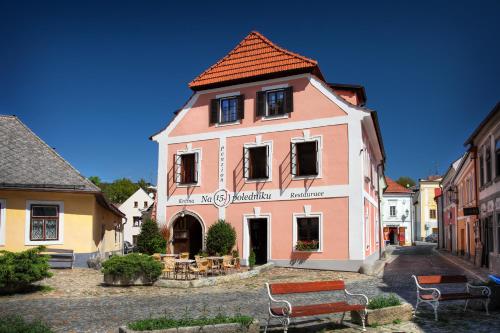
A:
393, 187
254, 56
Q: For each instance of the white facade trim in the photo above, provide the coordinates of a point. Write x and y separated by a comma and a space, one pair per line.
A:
246, 234
27, 223
229, 94
275, 87
3, 220
370, 199
194, 214
319, 215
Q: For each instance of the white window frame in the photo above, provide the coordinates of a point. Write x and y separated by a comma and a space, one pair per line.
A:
269, 144
235, 122
395, 211
246, 235
189, 150
319, 139
27, 240
295, 230
3, 220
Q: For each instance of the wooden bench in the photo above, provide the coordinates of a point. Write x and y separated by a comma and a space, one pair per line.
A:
67, 257
433, 296
284, 311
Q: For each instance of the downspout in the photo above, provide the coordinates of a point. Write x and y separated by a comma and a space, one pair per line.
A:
123, 236
380, 230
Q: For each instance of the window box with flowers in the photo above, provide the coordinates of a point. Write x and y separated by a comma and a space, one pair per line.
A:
307, 245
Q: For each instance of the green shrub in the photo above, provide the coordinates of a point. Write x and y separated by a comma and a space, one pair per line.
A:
384, 301
165, 323
18, 270
18, 325
251, 259
150, 239
221, 238
131, 266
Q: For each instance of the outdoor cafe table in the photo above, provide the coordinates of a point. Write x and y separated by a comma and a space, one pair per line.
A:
169, 255
183, 264
216, 260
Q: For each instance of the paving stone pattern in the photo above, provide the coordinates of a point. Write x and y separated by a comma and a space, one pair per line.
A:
80, 304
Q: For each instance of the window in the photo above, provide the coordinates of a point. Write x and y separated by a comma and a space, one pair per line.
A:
44, 223
256, 165
487, 156
497, 158
392, 211
304, 156
136, 204
187, 168
145, 204
227, 110
137, 221
481, 170
432, 213
307, 234
273, 103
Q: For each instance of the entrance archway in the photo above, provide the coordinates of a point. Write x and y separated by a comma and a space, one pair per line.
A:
187, 235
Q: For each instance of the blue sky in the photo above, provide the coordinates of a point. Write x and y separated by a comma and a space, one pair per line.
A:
96, 79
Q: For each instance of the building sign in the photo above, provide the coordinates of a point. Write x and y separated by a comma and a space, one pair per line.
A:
223, 198
471, 211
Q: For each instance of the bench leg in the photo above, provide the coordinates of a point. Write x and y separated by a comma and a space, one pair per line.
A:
342, 319
466, 303
416, 308
486, 303
435, 306
267, 323
363, 319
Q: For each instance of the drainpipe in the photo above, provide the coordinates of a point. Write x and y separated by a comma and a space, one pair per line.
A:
380, 230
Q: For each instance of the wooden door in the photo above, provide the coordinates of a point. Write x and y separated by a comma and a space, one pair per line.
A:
401, 235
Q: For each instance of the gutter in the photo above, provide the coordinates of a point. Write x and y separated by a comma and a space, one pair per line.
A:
380, 229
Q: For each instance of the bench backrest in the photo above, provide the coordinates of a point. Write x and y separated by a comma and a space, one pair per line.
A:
305, 287
440, 279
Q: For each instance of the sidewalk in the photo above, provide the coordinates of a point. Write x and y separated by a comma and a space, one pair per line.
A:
477, 272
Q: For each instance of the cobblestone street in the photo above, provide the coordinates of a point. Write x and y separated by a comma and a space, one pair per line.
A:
80, 304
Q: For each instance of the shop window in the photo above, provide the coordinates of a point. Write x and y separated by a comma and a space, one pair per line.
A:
432, 213
274, 102
308, 234
392, 210
304, 158
227, 110
256, 162
137, 221
44, 222
187, 168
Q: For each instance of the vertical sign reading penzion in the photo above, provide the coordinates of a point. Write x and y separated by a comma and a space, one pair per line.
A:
222, 163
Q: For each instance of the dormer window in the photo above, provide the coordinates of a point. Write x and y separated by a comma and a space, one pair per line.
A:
227, 110
274, 103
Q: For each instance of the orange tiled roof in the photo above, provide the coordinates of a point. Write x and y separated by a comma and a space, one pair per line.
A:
393, 187
254, 56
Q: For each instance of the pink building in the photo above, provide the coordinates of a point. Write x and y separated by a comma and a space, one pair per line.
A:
291, 161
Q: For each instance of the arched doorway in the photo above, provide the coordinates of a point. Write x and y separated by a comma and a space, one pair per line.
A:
187, 235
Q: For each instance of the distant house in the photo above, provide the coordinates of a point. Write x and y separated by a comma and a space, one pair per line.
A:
397, 215
425, 207
45, 201
133, 208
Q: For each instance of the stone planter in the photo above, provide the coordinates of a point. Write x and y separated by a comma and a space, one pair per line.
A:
138, 280
222, 328
403, 312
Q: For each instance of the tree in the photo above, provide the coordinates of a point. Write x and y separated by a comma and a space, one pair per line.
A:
142, 183
405, 181
119, 190
150, 239
221, 238
96, 180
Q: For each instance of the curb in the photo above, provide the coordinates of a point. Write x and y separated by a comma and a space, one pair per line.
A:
471, 272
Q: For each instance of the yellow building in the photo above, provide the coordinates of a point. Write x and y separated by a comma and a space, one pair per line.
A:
45, 201
426, 208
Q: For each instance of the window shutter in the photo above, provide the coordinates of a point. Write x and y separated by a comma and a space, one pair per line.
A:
267, 161
214, 111
260, 110
289, 99
177, 161
293, 158
246, 162
316, 150
241, 106
195, 171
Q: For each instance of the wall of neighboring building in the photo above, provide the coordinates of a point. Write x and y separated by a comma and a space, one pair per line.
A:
108, 236
128, 208
428, 224
403, 204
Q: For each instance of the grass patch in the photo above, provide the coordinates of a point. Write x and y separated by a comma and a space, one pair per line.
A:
383, 301
45, 288
164, 323
17, 324
396, 321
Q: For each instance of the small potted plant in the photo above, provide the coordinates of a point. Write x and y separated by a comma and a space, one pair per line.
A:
251, 259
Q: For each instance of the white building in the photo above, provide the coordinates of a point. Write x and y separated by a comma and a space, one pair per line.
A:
133, 208
397, 217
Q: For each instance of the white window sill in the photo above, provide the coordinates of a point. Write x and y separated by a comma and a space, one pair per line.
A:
260, 180
49, 242
313, 251
188, 185
306, 177
228, 124
266, 118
